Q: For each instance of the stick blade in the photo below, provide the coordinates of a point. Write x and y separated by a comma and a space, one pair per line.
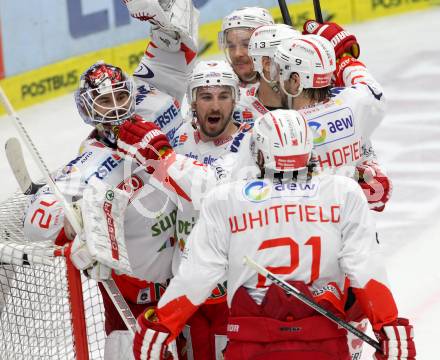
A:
14, 154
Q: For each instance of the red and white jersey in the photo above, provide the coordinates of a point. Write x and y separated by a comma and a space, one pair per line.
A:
161, 80
149, 218
318, 232
248, 107
342, 125
197, 181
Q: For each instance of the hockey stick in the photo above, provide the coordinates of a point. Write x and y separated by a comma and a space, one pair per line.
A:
318, 13
14, 154
109, 285
300, 296
285, 12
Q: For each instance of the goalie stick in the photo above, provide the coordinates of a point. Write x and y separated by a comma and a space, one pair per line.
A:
14, 154
300, 296
109, 285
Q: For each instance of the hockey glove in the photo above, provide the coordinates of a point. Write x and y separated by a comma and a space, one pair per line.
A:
396, 341
151, 338
352, 64
83, 260
342, 41
376, 185
142, 141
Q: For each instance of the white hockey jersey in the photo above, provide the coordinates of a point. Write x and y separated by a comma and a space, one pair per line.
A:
317, 232
161, 81
187, 142
149, 218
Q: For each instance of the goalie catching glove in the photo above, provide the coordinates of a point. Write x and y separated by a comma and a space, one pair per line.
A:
173, 17
397, 341
101, 246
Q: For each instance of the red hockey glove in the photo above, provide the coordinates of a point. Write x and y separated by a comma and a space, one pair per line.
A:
376, 185
396, 341
342, 41
150, 340
142, 140
343, 63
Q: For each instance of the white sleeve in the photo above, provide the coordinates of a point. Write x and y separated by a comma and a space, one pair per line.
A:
44, 216
189, 182
166, 70
204, 261
360, 256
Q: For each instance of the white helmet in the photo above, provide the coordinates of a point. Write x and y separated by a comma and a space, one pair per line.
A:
212, 73
312, 57
246, 17
265, 40
284, 139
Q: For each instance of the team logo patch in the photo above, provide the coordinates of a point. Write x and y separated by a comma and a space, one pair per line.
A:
257, 191
110, 195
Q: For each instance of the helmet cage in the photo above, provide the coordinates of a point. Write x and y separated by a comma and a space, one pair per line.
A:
99, 97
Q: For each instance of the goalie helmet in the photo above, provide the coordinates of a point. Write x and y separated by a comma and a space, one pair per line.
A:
212, 73
106, 95
284, 139
312, 57
246, 17
265, 40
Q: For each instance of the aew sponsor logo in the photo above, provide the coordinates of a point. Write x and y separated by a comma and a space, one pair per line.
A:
327, 130
257, 191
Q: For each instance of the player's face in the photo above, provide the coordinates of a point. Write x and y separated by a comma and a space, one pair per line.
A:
214, 106
113, 105
236, 47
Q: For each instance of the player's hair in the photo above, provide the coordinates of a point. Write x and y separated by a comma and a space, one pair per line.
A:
319, 94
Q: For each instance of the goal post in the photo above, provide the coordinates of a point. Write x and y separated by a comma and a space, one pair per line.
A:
48, 310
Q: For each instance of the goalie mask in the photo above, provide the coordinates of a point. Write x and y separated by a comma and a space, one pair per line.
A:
106, 95
284, 140
312, 57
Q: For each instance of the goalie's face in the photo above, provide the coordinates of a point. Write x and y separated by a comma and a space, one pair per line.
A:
112, 107
213, 108
236, 50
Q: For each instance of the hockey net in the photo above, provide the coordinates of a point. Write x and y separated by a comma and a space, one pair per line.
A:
47, 310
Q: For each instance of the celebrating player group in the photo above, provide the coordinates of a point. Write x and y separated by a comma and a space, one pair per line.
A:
266, 156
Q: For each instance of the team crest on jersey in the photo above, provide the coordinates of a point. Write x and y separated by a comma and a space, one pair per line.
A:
257, 191
327, 130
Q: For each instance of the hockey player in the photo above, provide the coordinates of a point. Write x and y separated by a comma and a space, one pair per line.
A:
213, 93
237, 28
105, 100
265, 94
342, 118
310, 229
